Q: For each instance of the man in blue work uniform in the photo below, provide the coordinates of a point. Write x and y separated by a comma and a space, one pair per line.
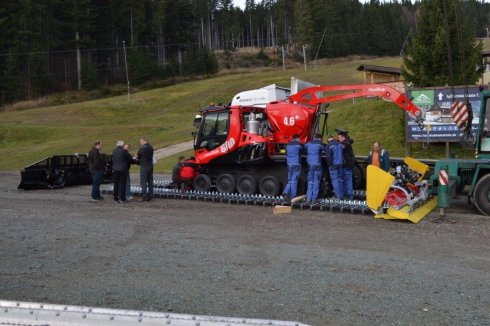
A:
293, 157
335, 160
349, 163
314, 150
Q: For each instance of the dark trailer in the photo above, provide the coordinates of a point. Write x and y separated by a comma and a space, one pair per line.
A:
59, 171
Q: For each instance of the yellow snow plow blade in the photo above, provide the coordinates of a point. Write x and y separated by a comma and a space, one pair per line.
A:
417, 166
378, 184
414, 216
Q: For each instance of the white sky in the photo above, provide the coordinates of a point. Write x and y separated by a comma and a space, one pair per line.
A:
241, 3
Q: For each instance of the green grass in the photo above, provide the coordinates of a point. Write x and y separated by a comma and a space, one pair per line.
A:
166, 164
165, 116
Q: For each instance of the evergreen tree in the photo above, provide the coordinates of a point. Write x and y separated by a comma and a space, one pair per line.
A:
427, 62
89, 77
48, 45
304, 19
9, 81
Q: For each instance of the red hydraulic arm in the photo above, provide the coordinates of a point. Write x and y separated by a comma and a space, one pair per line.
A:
310, 96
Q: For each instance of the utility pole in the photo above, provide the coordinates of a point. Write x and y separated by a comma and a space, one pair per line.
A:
304, 56
283, 58
404, 43
132, 44
179, 59
319, 46
79, 61
127, 74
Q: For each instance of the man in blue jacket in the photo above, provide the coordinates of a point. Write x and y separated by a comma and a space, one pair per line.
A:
349, 163
293, 157
335, 160
314, 150
379, 157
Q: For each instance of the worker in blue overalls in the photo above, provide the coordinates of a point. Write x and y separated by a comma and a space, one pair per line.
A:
314, 150
293, 157
349, 163
335, 160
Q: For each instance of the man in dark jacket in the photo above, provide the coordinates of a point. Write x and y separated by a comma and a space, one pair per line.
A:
145, 161
314, 150
349, 163
335, 160
293, 158
96, 168
129, 195
121, 161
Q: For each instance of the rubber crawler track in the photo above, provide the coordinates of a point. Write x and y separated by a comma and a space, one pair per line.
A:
357, 205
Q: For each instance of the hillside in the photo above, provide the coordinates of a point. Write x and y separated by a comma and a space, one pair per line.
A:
165, 115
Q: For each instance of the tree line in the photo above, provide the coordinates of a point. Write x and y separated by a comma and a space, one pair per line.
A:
52, 45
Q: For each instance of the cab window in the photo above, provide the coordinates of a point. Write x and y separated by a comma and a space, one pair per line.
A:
214, 130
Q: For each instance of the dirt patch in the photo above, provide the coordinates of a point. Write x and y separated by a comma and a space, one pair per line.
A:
205, 258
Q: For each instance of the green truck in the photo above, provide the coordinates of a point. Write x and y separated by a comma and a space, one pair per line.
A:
467, 176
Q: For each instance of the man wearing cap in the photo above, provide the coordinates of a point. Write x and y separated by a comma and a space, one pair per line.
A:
314, 150
293, 158
349, 163
335, 160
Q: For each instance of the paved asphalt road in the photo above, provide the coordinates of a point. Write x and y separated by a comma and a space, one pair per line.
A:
219, 259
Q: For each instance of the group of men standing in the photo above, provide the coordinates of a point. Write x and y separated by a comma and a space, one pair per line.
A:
339, 158
121, 163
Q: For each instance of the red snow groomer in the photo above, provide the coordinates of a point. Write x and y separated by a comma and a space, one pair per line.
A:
241, 147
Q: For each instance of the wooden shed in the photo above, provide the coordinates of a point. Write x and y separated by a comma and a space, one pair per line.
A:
379, 74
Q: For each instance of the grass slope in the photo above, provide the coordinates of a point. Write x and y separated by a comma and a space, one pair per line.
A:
165, 115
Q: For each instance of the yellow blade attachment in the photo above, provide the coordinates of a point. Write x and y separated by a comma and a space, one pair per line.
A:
416, 165
414, 216
378, 184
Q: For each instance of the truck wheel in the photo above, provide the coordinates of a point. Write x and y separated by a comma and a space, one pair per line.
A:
202, 183
269, 186
225, 183
481, 195
246, 185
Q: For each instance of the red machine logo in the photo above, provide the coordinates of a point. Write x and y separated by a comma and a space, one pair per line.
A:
227, 145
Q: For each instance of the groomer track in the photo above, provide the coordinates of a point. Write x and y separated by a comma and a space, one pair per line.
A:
161, 190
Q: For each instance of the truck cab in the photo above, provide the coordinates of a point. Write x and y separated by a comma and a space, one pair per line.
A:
483, 136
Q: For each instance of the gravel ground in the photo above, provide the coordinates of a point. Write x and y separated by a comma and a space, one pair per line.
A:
192, 257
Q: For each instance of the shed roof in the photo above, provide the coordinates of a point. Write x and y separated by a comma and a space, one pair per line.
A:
380, 69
